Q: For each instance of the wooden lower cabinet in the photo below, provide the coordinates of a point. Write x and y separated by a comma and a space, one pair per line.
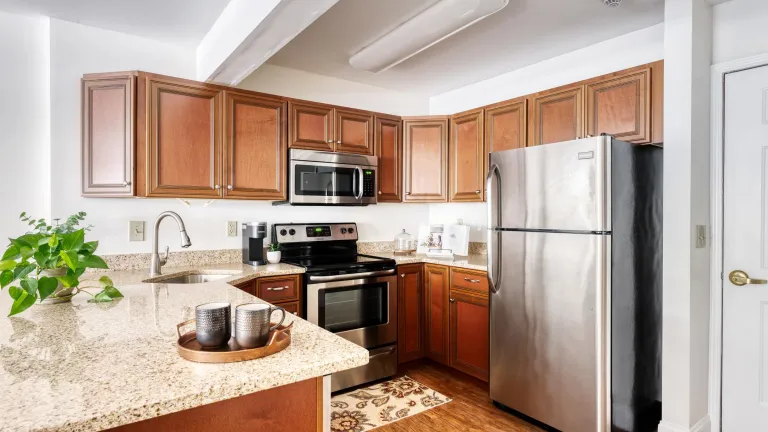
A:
283, 291
436, 283
410, 313
469, 330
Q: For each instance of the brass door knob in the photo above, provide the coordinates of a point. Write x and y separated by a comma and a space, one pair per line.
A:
740, 278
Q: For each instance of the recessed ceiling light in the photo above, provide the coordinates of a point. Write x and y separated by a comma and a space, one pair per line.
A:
431, 26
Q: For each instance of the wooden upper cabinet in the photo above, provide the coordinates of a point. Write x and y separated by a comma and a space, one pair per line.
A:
354, 132
311, 126
107, 140
389, 148
620, 105
469, 341
436, 287
410, 311
467, 157
557, 115
506, 125
184, 139
425, 168
255, 147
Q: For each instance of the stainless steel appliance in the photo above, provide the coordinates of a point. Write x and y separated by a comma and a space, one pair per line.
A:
350, 294
253, 236
574, 266
324, 178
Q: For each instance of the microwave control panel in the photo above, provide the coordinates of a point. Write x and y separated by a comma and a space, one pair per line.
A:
369, 183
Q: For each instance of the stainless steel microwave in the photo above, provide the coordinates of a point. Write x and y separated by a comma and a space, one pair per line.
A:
325, 178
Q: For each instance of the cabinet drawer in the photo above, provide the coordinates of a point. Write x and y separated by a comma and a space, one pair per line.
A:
290, 307
277, 289
475, 281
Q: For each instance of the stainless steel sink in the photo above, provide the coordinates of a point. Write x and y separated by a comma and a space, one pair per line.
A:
194, 278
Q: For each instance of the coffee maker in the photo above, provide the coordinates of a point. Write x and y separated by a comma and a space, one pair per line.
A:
254, 234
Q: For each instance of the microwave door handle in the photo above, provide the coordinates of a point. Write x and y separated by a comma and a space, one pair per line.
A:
359, 193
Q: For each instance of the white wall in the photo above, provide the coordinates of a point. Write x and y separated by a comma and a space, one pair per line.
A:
24, 122
640, 47
320, 88
739, 29
77, 49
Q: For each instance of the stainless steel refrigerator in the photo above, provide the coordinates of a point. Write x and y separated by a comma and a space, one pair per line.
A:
574, 266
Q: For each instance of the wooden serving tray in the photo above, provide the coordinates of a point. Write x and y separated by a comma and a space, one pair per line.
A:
189, 348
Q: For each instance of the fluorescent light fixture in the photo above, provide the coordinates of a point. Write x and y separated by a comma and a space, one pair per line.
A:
434, 24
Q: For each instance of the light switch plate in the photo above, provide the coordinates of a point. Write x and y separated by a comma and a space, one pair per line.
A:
701, 236
232, 229
136, 231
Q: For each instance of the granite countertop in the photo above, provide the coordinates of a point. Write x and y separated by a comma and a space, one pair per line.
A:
80, 366
472, 262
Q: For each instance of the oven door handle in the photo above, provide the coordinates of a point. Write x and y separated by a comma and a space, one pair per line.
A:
359, 193
351, 276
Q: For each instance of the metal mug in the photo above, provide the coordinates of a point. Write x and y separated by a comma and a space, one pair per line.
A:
214, 324
252, 324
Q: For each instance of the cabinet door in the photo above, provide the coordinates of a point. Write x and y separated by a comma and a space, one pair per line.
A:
310, 126
410, 310
467, 157
558, 115
621, 106
108, 123
354, 132
469, 341
506, 125
426, 159
255, 147
184, 145
389, 149
436, 287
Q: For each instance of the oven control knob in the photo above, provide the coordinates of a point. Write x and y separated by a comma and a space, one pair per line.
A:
292, 231
343, 230
283, 232
351, 230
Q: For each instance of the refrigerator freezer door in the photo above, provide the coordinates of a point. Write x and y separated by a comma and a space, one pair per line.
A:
563, 186
548, 355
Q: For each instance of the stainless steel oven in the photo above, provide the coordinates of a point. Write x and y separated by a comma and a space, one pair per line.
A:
324, 178
361, 308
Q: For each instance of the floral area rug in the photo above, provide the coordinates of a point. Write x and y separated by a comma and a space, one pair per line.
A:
368, 408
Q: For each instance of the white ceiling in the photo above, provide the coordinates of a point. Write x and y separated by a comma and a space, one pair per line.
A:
523, 33
178, 22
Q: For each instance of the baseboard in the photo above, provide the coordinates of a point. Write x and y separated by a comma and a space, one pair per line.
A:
703, 425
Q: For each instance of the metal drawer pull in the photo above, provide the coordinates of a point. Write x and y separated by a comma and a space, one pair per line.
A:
478, 191
277, 288
472, 280
453, 300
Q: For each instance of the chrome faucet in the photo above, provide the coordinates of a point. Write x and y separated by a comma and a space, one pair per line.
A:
157, 260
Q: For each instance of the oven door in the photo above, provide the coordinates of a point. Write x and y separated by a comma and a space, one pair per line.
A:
363, 310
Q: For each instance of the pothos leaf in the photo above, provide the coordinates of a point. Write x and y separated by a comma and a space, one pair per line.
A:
105, 281
22, 303
6, 277
101, 297
112, 292
46, 286
29, 285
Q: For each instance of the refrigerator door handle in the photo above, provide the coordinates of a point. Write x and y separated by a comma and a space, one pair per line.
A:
493, 188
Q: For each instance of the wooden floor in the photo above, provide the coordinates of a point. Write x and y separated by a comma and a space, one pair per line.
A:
470, 410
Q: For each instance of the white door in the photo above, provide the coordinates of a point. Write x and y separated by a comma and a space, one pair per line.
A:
745, 232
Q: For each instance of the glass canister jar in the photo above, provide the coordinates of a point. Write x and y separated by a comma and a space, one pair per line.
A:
405, 244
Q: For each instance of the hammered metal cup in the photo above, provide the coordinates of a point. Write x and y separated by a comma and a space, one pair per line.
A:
214, 324
252, 324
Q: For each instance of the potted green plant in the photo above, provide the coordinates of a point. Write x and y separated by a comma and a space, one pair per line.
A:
273, 253
47, 263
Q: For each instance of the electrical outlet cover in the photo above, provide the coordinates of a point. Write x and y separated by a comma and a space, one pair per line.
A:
136, 231
232, 229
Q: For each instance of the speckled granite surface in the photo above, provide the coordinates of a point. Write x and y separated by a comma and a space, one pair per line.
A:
85, 367
175, 259
472, 262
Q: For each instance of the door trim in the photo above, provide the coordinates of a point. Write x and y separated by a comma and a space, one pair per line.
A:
718, 74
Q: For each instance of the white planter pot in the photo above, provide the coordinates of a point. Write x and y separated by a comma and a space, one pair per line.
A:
273, 257
62, 294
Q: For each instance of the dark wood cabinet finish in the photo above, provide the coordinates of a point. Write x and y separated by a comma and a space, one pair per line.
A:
469, 341
425, 169
184, 140
470, 280
354, 132
108, 111
410, 313
506, 125
436, 286
558, 115
466, 154
620, 105
255, 147
389, 149
310, 126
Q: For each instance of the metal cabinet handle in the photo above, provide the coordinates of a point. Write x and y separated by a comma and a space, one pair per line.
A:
407, 193
295, 313
330, 141
229, 187
126, 183
277, 288
472, 280
338, 142
216, 187
478, 191
379, 192
452, 300
402, 275
741, 278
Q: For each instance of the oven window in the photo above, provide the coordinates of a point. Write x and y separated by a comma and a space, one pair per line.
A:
354, 307
315, 180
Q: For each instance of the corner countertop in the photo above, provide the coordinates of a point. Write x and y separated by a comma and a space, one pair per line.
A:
473, 262
81, 367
